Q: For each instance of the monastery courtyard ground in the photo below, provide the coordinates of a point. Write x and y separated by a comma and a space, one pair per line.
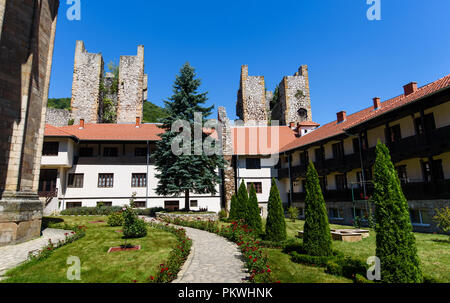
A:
212, 259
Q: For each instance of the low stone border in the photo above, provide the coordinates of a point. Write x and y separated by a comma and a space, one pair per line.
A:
187, 217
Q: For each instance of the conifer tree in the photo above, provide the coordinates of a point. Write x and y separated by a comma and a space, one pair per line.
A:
276, 224
396, 244
233, 208
317, 235
253, 213
192, 171
242, 202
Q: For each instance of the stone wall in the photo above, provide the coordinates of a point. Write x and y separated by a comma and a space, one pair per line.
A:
251, 103
131, 87
295, 101
188, 217
87, 76
58, 117
27, 31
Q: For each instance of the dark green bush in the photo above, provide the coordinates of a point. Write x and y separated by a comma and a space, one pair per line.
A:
317, 235
396, 244
223, 214
91, 211
333, 268
276, 224
310, 260
115, 219
253, 214
352, 267
133, 227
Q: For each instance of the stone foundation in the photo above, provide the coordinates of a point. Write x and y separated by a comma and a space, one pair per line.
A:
20, 218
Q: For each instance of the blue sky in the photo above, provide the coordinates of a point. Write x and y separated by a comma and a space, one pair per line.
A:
350, 59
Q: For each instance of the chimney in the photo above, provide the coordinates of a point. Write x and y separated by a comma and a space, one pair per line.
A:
376, 103
292, 125
410, 88
138, 121
341, 116
81, 124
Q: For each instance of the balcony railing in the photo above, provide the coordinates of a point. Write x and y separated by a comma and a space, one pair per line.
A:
434, 142
412, 191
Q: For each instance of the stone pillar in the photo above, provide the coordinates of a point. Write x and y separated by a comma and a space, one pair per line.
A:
227, 149
132, 87
27, 31
87, 79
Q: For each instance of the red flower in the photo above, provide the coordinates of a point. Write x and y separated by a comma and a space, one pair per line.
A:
134, 281
269, 270
152, 278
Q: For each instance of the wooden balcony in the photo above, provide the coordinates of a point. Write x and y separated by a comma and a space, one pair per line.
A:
435, 142
412, 191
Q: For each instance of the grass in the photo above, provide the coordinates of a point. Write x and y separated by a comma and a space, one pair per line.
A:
433, 251
97, 266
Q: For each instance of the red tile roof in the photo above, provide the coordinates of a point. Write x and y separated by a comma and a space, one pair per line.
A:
333, 128
107, 132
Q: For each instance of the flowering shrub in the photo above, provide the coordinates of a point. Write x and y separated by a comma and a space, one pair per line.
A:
168, 271
245, 238
77, 233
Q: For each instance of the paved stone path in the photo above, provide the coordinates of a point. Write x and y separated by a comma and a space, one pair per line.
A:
213, 259
13, 255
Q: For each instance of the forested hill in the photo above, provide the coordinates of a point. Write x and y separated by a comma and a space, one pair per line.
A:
152, 112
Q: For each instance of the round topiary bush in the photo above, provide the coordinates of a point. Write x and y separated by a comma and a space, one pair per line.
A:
115, 219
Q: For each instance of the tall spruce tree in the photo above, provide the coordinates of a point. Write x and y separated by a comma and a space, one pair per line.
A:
242, 203
253, 213
396, 244
276, 224
191, 171
317, 235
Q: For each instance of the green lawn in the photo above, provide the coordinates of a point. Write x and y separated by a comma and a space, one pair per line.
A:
433, 250
97, 266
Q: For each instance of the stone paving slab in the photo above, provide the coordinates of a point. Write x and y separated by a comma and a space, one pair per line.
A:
13, 255
213, 259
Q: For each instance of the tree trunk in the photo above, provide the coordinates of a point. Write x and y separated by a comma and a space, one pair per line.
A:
186, 200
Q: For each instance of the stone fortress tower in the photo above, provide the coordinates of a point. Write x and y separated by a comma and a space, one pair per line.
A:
87, 77
293, 104
91, 86
132, 87
251, 101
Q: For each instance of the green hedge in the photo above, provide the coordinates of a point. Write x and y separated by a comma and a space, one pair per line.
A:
106, 211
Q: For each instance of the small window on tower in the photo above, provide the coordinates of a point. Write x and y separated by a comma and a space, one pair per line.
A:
303, 114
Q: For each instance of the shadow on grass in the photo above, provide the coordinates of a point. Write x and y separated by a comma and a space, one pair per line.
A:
47, 221
441, 241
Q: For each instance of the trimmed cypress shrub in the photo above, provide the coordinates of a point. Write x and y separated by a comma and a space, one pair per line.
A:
276, 225
233, 208
242, 203
253, 213
317, 235
396, 244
